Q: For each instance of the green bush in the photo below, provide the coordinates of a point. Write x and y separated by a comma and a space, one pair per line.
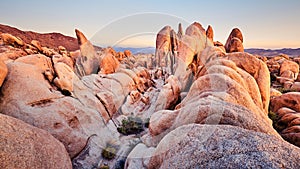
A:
275, 119
110, 151
131, 125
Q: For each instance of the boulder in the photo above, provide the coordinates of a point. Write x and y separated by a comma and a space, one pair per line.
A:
258, 70
169, 95
127, 53
210, 33
235, 45
37, 45
9, 39
139, 157
68, 119
274, 93
65, 77
3, 72
235, 41
289, 69
290, 100
64, 59
87, 63
222, 146
163, 46
287, 121
25, 146
108, 64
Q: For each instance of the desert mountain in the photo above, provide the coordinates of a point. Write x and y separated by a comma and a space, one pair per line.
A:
51, 40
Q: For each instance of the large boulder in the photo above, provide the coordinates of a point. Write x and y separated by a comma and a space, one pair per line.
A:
235, 41
3, 72
210, 33
222, 146
25, 146
108, 64
69, 120
87, 63
289, 69
9, 39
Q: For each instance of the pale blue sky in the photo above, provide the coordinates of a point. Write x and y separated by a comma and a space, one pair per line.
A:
264, 23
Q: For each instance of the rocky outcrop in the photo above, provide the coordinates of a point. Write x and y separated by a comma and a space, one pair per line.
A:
234, 42
108, 64
210, 33
3, 72
286, 116
215, 97
25, 146
222, 146
166, 48
9, 39
87, 63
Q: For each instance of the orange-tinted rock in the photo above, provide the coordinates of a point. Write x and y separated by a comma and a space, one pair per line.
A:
9, 39
210, 33
3, 72
235, 45
274, 93
108, 64
25, 146
127, 53
289, 69
37, 45
290, 100
234, 42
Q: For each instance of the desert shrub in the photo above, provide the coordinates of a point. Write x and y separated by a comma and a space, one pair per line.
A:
275, 119
110, 151
131, 125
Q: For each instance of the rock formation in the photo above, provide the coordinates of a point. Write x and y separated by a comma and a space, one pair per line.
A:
234, 42
87, 63
287, 117
210, 33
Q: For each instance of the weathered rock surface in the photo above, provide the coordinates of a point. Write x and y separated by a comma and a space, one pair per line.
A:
139, 157
69, 120
222, 146
25, 146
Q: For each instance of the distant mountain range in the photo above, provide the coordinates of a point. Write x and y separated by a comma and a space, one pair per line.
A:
146, 50
254, 51
274, 52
